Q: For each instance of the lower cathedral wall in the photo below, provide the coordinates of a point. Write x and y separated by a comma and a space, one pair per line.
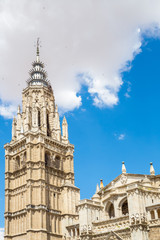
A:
154, 233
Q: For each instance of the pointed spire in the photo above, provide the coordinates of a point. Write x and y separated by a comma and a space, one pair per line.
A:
65, 128
14, 123
56, 110
19, 109
37, 49
22, 130
64, 120
57, 122
97, 188
152, 171
101, 184
123, 168
38, 75
96, 196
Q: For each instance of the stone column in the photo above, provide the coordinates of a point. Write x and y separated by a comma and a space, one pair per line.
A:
155, 214
137, 213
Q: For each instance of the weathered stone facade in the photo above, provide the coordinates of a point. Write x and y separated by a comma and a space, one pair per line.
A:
41, 200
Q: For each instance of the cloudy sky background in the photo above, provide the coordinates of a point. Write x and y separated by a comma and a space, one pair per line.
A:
84, 43
88, 48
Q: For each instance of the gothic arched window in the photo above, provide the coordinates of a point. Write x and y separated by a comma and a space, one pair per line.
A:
39, 118
17, 165
125, 208
47, 158
48, 129
111, 211
152, 214
57, 162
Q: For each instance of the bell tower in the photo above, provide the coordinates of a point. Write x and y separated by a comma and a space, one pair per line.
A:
40, 195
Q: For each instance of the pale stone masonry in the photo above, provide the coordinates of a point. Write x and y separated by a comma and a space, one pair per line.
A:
41, 200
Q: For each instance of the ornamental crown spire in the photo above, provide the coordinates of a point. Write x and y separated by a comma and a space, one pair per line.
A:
38, 75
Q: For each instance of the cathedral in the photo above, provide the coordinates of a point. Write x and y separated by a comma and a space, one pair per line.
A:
41, 199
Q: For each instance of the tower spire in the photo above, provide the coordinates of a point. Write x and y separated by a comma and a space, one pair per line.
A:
123, 168
37, 49
38, 76
152, 171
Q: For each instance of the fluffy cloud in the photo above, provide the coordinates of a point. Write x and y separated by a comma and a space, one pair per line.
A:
8, 111
93, 39
120, 136
1, 233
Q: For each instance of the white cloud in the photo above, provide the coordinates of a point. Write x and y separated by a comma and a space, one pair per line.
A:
8, 110
99, 38
120, 136
1, 233
127, 94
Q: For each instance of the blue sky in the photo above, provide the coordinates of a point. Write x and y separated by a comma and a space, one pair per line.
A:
95, 132
113, 110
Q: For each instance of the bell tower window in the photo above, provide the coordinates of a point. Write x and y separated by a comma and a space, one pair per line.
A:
47, 158
48, 129
39, 118
17, 165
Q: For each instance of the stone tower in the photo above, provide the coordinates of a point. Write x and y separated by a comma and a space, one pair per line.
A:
40, 195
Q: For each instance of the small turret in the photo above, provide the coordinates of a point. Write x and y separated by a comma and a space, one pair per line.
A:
152, 171
19, 110
97, 188
96, 196
146, 181
19, 119
57, 124
123, 168
14, 124
101, 184
65, 128
22, 130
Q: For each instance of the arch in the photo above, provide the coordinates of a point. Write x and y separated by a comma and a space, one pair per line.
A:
158, 212
152, 214
48, 127
17, 163
25, 156
47, 158
125, 207
111, 212
57, 161
39, 118
109, 209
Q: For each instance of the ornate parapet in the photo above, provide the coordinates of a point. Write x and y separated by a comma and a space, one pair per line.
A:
111, 225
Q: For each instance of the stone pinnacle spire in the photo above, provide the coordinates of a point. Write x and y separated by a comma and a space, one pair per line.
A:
152, 171
97, 188
38, 75
101, 184
123, 168
37, 49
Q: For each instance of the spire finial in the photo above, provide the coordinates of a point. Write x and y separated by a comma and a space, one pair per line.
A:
152, 171
123, 168
38, 49
19, 109
97, 188
101, 184
56, 110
